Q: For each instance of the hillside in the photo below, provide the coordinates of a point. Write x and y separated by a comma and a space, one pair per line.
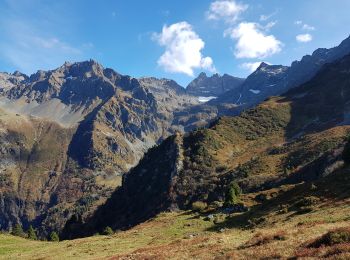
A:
285, 229
285, 140
69, 134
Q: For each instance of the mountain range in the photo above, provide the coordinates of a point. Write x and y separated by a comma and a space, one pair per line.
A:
293, 138
85, 144
272, 80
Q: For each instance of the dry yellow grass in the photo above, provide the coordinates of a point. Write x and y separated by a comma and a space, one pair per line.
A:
185, 235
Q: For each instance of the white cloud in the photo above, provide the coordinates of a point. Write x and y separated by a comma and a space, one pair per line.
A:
252, 42
268, 26
183, 49
304, 26
228, 11
251, 66
264, 18
304, 37
307, 27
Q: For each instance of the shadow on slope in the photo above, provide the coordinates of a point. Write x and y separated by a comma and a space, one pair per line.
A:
302, 199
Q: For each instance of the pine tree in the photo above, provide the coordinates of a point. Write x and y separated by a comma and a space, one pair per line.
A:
31, 233
232, 194
18, 231
54, 237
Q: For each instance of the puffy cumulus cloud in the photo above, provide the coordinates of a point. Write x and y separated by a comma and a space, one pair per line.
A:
183, 50
228, 11
251, 66
252, 42
304, 37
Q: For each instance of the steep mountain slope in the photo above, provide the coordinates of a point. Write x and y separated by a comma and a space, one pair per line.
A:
289, 139
67, 136
283, 226
271, 80
204, 86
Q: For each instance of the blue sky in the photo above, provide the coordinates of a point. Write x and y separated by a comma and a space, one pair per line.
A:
172, 39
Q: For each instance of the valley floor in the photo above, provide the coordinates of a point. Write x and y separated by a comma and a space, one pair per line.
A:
187, 235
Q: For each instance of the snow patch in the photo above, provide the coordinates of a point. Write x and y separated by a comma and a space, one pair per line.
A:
239, 99
255, 91
270, 86
205, 99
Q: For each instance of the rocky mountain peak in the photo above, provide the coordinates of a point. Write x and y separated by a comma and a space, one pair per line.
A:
213, 86
263, 65
87, 69
202, 75
19, 74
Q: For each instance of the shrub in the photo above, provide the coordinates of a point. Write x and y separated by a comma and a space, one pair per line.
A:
333, 245
221, 168
199, 206
31, 233
333, 237
232, 195
54, 237
108, 231
307, 202
216, 204
18, 231
261, 239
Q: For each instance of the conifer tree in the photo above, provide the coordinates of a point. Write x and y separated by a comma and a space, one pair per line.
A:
54, 237
17, 230
31, 233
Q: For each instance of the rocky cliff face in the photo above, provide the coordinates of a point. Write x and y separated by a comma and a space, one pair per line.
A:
68, 135
214, 86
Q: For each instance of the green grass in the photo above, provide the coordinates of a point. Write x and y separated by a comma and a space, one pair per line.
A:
163, 229
185, 235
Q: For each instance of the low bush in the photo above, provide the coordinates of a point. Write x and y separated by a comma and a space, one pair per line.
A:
108, 231
335, 244
306, 202
261, 239
333, 237
199, 206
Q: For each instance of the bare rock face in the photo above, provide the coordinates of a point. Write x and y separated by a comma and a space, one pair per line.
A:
214, 86
69, 134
